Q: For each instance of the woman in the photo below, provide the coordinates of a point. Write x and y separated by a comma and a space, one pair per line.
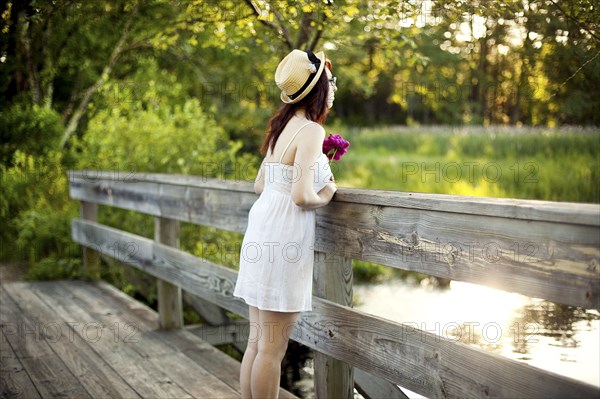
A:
276, 259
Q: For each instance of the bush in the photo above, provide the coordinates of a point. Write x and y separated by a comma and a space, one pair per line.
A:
35, 208
31, 129
162, 139
368, 272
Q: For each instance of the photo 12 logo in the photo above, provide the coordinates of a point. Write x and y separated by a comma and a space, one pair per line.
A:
52, 332
453, 172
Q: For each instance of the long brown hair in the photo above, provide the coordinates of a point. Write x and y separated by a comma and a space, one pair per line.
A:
314, 105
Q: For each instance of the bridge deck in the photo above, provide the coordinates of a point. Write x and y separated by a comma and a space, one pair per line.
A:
89, 340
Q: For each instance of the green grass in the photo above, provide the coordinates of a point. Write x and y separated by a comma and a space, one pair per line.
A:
526, 163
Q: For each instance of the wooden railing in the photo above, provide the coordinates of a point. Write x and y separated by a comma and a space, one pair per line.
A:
541, 249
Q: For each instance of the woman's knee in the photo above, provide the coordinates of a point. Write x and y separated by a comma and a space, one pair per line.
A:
275, 354
274, 345
274, 331
252, 347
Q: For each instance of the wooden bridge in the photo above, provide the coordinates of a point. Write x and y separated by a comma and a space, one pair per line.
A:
536, 248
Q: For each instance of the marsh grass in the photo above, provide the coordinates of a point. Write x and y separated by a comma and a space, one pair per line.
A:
525, 163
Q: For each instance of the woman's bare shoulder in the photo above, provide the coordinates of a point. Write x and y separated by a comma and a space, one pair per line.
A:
313, 132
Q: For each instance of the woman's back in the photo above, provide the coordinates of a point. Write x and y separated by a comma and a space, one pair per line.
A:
282, 171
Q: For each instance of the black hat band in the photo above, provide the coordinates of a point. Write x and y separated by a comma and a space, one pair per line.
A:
317, 62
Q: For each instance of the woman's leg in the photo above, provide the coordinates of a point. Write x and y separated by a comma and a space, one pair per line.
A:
276, 329
249, 354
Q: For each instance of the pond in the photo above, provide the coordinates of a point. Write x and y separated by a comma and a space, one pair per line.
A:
558, 338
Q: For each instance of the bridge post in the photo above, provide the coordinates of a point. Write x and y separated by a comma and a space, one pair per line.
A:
91, 257
332, 280
170, 305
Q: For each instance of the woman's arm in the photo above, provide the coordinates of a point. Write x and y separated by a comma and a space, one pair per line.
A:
309, 147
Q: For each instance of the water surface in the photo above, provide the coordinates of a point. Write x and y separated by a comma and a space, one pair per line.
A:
558, 338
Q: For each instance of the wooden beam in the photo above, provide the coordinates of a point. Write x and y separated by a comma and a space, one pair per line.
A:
91, 258
551, 211
213, 315
332, 280
554, 261
170, 305
373, 387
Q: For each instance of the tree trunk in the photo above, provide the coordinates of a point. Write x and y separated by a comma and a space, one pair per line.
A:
482, 71
87, 95
32, 77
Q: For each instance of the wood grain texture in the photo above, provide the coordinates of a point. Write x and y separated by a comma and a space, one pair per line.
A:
183, 371
91, 260
373, 387
201, 277
185, 340
170, 303
426, 363
566, 212
541, 249
216, 316
78, 355
118, 345
399, 353
15, 383
539, 259
332, 280
31, 346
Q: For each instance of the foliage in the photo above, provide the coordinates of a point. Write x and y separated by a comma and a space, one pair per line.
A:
35, 210
366, 271
148, 126
449, 61
51, 268
29, 128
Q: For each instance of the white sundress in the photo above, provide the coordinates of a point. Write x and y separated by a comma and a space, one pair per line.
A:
277, 253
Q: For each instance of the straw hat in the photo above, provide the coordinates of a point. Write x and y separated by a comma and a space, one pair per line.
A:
298, 73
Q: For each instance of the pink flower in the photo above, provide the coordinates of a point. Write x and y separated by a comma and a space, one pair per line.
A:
335, 146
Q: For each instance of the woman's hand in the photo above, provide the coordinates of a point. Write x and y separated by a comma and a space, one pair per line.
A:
331, 188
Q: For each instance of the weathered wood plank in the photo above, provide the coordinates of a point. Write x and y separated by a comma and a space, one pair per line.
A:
428, 364
332, 280
418, 360
198, 205
170, 304
91, 259
547, 211
94, 374
210, 312
214, 316
29, 343
14, 381
564, 212
188, 374
205, 279
373, 387
537, 248
538, 259
184, 340
115, 346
